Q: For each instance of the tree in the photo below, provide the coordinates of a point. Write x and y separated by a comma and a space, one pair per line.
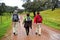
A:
15, 7
33, 6
2, 10
20, 10
26, 0
10, 9
55, 4
51, 4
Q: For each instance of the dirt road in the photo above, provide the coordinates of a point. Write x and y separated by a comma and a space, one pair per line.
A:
47, 33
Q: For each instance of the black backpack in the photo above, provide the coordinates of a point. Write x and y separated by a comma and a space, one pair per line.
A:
15, 18
28, 22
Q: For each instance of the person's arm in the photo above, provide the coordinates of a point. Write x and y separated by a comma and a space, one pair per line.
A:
24, 20
41, 19
35, 18
12, 18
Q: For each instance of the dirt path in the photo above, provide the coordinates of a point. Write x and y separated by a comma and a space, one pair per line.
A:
47, 33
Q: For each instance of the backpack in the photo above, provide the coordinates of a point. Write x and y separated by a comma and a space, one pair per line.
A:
28, 22
39, 19
15, 18
28, 18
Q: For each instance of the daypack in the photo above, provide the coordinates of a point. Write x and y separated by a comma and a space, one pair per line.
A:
15, 17
39, 19
28, 18
28, 22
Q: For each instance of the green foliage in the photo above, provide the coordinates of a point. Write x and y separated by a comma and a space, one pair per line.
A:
26, 0
2, 8
32, 6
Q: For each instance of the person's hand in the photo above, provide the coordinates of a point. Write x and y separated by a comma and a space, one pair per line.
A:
22, 23
19, 21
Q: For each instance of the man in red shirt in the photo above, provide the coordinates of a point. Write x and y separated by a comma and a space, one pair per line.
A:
38, 21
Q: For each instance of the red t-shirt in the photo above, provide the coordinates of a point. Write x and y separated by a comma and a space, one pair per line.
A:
38, 17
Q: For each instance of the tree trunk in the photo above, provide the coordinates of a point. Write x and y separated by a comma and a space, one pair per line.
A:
34, 13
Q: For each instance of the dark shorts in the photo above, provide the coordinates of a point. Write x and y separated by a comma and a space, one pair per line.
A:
15, 20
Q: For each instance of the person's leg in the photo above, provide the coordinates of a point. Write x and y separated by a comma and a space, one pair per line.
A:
14, 28
39, 29
27, 30
15, 25
16, 31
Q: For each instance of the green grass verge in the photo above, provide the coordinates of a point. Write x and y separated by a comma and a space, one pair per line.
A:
51, 18
6, 22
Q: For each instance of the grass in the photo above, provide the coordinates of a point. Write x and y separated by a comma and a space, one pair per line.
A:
4, 25
51, 18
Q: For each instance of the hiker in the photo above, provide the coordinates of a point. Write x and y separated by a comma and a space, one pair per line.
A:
15, 20
27, 23
38, 21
